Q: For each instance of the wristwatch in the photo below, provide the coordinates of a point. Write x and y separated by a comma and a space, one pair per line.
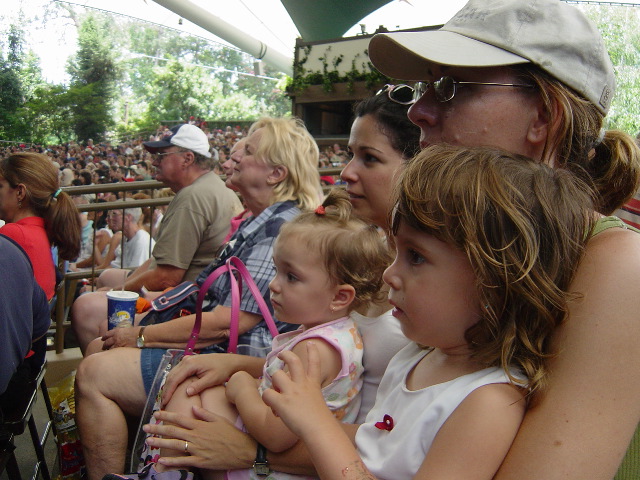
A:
140, 339
260, 464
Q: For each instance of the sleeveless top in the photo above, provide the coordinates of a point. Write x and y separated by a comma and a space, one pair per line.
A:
413, 417
341, 394
605, 223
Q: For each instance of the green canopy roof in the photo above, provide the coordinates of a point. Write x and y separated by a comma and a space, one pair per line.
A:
326, 19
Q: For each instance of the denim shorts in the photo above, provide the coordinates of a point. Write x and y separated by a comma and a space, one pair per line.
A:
150, 359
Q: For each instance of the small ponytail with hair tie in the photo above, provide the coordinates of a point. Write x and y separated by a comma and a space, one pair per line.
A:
598, 140
56, 193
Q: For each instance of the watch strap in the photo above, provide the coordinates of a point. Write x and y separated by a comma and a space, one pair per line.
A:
260, 464
140, 340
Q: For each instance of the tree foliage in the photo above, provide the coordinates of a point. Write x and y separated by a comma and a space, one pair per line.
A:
49, 115
171, 77
159, 75
94, 72
620, 28
11, 91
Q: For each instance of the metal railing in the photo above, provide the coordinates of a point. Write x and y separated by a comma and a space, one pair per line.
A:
66, 291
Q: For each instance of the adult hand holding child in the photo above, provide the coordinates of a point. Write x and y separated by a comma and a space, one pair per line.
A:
209, 370
206, 450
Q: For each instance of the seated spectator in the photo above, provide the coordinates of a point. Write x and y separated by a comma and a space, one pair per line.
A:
145, 219
38, 214
192, 229
24, 312
158, 212
66, 177
92, 245
142, 171
136, 249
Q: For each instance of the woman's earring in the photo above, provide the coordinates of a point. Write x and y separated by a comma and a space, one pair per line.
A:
19, 203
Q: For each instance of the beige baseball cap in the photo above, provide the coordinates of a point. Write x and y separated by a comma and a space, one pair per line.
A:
555, 36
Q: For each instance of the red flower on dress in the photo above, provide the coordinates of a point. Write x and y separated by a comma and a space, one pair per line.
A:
386, 423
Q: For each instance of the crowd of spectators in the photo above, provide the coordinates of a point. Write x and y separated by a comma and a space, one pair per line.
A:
89, 163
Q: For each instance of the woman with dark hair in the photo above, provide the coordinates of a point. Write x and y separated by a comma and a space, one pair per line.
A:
376, 158
38, 214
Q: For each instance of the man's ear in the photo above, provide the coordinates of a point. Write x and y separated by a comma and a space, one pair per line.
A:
344, 296
277, 175
189, 158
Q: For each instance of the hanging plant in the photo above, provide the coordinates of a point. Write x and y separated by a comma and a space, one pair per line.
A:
303, 78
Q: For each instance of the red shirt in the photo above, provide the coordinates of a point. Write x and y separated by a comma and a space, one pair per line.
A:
30, 234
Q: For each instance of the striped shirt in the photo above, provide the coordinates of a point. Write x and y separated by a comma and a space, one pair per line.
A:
253, 244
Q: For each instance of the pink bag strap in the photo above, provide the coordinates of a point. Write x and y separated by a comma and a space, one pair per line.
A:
255, 291
235, 300
232, 264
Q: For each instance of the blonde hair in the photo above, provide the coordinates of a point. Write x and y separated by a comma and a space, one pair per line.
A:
165, 193
523, 227
40, 178
610, 159
286, 142
354, 253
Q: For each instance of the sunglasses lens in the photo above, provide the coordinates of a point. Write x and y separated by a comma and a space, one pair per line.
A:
402, 94
445, 89
419, 89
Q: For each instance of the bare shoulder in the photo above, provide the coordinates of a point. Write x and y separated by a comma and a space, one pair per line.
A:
325, 349
617, 247
496, 398
484, 425
494, 409
607, 281
598, 340
498, 406
582, 422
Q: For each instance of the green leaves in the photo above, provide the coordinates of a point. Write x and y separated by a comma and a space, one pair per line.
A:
620, 27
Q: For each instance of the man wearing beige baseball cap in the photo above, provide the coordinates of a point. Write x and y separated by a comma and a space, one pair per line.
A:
532, 77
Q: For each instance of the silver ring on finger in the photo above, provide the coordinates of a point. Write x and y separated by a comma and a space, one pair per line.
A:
186, 448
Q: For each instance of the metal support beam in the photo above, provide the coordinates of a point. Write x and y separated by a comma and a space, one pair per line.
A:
229, 33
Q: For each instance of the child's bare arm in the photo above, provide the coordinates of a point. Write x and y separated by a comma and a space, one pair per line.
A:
258, 418
481, 429
298, 399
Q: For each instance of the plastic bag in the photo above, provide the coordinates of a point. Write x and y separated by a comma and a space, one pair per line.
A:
72, 466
